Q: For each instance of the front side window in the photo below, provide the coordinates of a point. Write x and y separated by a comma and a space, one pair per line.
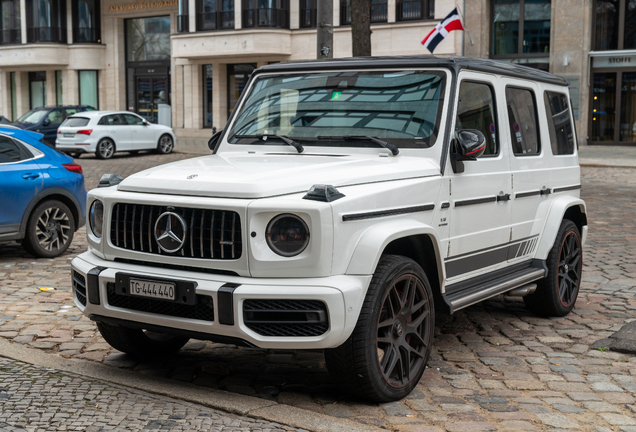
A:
133, 120
476, 110
521, 27
559, 123
522, 119
55, 117
9, 150
400, 107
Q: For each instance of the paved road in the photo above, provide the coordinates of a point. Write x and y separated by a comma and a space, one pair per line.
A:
495, 365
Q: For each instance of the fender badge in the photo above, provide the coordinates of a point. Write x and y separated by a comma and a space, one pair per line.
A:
192, 176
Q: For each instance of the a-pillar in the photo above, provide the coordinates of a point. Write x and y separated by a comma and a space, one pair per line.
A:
219, 95
51, 87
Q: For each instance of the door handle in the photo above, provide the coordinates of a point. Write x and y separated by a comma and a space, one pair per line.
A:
503, 197
30, 176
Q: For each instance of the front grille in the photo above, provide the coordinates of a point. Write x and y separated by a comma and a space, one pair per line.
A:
213, 234
203, 309
286, 318
79, 286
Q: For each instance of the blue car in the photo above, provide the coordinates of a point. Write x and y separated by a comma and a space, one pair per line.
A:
42, 194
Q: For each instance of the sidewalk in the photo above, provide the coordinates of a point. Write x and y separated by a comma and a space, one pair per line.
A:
607, 156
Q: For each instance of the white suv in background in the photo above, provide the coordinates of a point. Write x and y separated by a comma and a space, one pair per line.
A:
107, 132
345, 202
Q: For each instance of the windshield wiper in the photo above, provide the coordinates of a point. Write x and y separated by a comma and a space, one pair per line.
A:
393, 149
263, 137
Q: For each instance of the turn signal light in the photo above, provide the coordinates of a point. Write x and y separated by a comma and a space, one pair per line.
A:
73, 167
85, 131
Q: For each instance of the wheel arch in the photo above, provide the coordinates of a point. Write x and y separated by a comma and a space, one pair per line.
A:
53, 194
564, 207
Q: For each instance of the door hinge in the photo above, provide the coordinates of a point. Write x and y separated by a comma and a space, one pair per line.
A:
450, 189
448, 253
512, 181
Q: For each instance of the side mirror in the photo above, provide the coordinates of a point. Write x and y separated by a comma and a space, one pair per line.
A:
468, 146
216, 136
146, 123
46, 122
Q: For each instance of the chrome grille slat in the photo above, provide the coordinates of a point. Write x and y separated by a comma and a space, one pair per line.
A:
129, 231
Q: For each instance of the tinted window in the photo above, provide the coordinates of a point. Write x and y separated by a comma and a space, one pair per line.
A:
111, 120
70, 111
476, 110
522, 118
9, 150
133, 119
55, 117
76, 122
559, 123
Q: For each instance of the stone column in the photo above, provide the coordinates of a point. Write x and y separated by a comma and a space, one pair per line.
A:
196, 97
391, 12
238, 14
70, 87
23, 23
294, 14
22, 92
192, 15
51, 94
336, 12
5, 94
219, 95
69, 22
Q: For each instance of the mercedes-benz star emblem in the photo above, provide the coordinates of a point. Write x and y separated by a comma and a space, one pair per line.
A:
170, 232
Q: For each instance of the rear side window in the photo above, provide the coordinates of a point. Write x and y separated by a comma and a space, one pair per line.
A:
476, 110
75, 122
522, 117
559, 123
9, 151
111, 120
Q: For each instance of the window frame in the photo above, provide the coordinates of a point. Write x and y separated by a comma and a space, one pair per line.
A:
536, 119
25, 154
496, 112
97, 37
79, 86
519, 53
620, 43
123, 116
427, 5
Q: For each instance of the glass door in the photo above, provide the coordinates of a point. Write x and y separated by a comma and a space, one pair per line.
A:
151, 91
613, 106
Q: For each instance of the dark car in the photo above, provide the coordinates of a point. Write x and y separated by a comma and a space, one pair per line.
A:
46, 120
42, 195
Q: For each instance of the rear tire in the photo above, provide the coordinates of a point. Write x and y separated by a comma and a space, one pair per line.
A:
49, 230
105, 149
165, 144
556, 294
386, 355
141, 344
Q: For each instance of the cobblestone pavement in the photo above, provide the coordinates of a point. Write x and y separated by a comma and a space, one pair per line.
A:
495, 366
42, 399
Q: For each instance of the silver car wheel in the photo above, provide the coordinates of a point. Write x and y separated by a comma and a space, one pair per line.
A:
166, 144
105, 148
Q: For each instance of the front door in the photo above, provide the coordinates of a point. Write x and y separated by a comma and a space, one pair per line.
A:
480, 196
151, 91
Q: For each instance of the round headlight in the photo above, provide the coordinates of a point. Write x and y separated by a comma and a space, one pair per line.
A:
287, 235
96, 218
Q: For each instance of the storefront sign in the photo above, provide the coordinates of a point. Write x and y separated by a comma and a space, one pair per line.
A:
614, 61
144, 5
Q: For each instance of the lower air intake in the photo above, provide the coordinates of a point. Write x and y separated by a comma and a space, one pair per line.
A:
286, 318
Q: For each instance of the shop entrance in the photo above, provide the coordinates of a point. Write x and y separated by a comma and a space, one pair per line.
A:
151, 90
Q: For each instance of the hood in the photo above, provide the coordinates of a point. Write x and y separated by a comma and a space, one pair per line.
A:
243, 175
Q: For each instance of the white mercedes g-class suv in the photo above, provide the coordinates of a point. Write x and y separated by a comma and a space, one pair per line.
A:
344, 202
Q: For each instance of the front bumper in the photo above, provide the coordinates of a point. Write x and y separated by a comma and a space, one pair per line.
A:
342, 295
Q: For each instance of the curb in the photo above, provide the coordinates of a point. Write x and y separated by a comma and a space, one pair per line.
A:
208, 397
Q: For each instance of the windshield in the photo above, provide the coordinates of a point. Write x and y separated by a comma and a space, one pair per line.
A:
32, 117
399, 107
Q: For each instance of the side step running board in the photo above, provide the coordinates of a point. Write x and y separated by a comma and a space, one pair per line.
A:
474, 294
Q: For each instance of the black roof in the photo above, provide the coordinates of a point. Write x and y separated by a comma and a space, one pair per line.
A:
455, 63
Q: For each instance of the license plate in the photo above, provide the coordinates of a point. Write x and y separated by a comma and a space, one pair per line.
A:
152, 289
69, 135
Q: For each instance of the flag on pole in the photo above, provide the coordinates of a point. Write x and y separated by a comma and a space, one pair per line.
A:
452, 22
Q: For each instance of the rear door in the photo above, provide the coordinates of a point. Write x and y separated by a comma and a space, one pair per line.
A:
116, 128
20, 180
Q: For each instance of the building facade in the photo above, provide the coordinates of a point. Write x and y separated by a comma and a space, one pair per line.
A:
192, 57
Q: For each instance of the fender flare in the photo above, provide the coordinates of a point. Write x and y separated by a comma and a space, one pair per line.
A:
553, 221
79, 220
374, 241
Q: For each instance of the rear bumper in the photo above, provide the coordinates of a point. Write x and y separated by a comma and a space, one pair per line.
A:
342, 297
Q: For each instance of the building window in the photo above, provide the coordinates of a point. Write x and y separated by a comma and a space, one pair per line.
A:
308, 13
88, 94
266, 13
237, 77
14, 97
58, 88
46, 21
37, 89
148, 39
10, 22
86, 21
521, 28
215, 14
610, 16
411, 10
207, 96
183, 19
378, 13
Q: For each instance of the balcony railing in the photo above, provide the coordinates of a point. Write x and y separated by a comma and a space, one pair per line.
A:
308, 18
409, 10
378, 13
183, 23
46, 34
10, 36
215, 20
266, 17
86, 35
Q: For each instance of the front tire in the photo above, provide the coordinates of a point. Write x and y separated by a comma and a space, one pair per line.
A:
385, 356
556, 294
165, 144
141, 344
105, 149
49, 230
